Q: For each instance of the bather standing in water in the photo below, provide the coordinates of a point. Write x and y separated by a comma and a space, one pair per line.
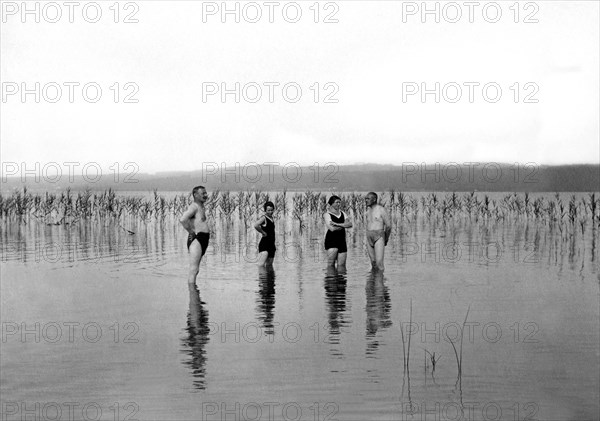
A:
266, 226
336, 222
195, 223
379, 229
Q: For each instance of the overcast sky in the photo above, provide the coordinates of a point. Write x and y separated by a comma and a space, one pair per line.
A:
369, 58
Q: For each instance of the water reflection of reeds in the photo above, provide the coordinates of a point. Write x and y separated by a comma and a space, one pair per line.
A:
89, 242
559, 230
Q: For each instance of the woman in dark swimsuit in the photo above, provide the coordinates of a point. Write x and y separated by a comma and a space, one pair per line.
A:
336, 222
266, 226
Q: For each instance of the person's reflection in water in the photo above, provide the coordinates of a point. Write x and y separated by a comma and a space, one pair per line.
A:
266, 297
378, 309
335, 294
197, 336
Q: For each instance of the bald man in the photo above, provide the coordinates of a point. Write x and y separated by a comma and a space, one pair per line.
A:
379, 229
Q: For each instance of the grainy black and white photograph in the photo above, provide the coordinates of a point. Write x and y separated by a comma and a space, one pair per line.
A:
305, 210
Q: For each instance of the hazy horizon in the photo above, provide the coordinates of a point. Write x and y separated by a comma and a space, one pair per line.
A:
492, 177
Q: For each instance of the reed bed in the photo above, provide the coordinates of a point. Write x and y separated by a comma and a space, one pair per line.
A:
68, 207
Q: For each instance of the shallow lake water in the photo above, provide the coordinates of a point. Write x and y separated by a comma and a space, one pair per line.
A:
98, 323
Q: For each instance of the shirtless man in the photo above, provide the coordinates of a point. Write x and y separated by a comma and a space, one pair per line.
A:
378, 230
194, 222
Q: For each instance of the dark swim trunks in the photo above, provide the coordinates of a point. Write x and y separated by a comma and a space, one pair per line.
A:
202, 238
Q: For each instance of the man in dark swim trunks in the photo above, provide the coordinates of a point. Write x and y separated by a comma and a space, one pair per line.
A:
379, 229
194, 222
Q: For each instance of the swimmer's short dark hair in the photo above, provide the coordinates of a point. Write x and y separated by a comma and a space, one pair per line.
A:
332, 200
267, 204
374, 194
195, 189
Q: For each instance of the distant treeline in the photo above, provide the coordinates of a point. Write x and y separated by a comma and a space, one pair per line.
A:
489, 177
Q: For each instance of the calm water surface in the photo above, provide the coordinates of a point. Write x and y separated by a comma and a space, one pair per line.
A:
104, 319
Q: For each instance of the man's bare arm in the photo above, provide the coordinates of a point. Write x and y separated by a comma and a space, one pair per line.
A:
386, 219
387, 225
187, 219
